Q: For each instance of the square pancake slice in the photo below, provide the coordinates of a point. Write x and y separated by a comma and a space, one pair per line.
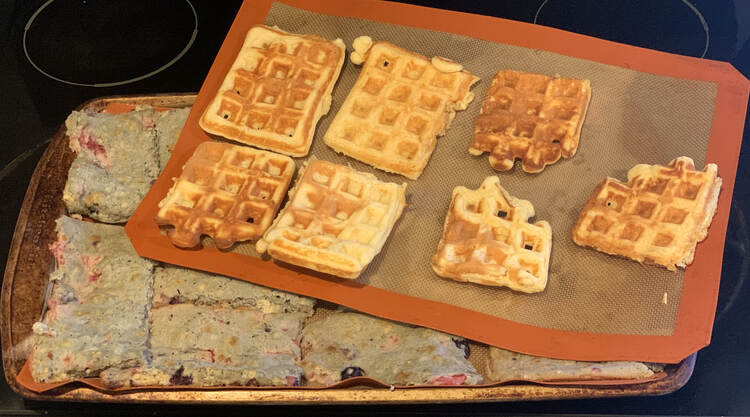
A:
505, 365
228, 192
347, 344
276, 91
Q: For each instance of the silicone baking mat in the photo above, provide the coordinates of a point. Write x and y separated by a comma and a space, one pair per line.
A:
647, 107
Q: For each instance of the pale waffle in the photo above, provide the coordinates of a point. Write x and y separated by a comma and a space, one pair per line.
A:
336, 220
228, 192
400, 103
531, 117
487, 239
276, 91
657, 217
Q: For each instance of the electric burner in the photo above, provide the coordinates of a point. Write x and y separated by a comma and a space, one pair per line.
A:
675, 26
104, 43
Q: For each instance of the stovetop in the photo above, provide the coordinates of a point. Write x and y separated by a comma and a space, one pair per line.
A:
56, 54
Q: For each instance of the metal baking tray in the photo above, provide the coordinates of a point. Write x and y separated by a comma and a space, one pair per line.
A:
25, 279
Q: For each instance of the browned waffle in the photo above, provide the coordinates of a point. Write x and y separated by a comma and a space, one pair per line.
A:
531, 117
276, 91
336, 221
487, 239
400, 103
657, 217
228, 192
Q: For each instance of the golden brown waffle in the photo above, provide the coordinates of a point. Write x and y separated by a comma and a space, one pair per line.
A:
400, 103
531, 117
657, 217
276, 91
228, 192
487, 239
336, 220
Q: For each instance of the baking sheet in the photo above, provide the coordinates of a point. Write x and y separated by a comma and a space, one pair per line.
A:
479, 357
26, 276
596, 307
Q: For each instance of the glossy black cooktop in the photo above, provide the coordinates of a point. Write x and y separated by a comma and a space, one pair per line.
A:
57, 54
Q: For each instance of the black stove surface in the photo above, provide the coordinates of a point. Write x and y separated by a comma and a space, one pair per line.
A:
91, 43
75, 50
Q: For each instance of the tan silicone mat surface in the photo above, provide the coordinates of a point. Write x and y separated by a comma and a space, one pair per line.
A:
633, 118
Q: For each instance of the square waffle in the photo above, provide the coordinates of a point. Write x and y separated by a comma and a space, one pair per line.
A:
657, 217
400, 103
276, 91
228, 192
531, 117
487, 239
336, 220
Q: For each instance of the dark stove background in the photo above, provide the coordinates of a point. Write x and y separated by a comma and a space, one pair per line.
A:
148, 34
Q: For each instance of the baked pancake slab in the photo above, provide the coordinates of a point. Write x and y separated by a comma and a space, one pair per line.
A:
174, 285
531, 117
505, 365
218, 345
657, 217
168, 125
400, 103
487, 239
345, 345
336, 221
228, 192
97, 310
276, 91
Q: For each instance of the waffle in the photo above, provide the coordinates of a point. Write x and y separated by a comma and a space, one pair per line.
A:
487, 239
228, 192
657, 217
276, 91
400, 103
336, 220
531, 117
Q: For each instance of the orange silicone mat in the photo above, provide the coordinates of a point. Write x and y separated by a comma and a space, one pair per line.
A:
692, 325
